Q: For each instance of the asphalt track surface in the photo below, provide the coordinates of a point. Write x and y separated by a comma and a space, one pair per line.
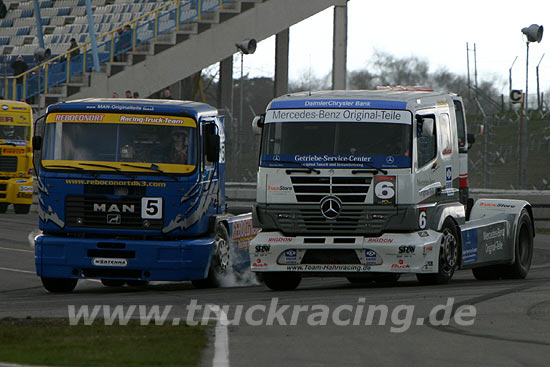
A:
511, 326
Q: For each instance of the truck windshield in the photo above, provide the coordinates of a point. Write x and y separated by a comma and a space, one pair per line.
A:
11, 132
124, 146
337, 144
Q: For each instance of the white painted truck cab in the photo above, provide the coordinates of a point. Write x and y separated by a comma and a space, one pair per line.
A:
372, 184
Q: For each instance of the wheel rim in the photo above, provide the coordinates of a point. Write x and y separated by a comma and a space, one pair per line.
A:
449, 251
222, 254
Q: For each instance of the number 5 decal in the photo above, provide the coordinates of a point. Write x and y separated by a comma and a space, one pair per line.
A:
151, 208
384, 190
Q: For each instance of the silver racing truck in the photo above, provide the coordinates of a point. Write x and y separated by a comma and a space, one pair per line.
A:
369, 185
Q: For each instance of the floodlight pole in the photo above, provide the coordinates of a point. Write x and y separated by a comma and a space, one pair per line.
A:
539, 105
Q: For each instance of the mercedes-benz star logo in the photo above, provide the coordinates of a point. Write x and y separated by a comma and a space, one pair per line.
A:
330, 207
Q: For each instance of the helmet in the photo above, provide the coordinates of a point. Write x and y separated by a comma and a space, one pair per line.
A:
8, 131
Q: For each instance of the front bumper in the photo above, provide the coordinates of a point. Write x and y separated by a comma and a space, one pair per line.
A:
415, 252
61, 257
16, 190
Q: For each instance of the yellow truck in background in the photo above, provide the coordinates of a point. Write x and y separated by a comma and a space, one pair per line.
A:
16, 173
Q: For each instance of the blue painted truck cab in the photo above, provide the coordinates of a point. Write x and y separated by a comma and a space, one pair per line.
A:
130, 190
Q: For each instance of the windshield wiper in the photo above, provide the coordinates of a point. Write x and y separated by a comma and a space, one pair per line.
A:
100, 165
373, 169
307, 168
63, 166
153, 167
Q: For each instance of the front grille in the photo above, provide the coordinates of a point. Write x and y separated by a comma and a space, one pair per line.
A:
353, 219
3, 187
8, 164
124, 213
311, 189
348, 257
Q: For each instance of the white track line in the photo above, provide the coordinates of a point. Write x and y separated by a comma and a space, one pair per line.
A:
18, 271
16, 249
221, 340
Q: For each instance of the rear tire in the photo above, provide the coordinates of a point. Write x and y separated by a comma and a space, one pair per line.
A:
279, 281
112, 282
59, 285
21, 208
3, 207
523, 249
448, 256
220, 263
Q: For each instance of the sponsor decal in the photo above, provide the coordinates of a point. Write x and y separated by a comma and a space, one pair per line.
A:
493, 247
25, 188
263, 249
6, 119
259, 263
279, 188
124, 118
449, 179
469, 246
407, 249
290, 256
280, 239
24, 195
423, 234
401, 265
328, 267
380, 240
243, 230
370, 257
427, 249
497, 205
13, 151
339, 103
333, 160
428, 265
100, 261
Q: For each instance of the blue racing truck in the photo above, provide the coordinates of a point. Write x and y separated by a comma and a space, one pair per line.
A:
132, 191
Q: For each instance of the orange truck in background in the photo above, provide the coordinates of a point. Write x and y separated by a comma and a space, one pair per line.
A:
16, 173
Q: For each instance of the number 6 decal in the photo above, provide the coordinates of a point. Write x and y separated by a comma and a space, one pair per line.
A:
151, 208
422, 219
384, 190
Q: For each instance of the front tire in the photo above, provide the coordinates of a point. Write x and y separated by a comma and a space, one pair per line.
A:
220, 263
59, 285
21, 208
448, 256
279, 281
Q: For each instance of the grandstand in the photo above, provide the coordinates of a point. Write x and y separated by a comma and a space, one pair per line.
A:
201, 32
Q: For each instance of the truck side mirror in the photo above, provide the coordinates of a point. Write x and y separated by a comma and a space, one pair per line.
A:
471, 139
36, 142
212, 143
258, 124
425, 125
